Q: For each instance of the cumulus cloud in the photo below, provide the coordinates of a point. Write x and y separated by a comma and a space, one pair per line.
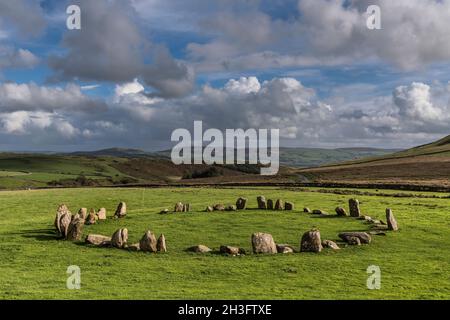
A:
327, 32
110, 47
414, 102
32, 97
133, 117
12, 58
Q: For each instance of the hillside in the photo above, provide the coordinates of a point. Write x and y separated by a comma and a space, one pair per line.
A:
423, 165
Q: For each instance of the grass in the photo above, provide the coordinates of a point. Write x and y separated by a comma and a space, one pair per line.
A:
33, 170
414, 261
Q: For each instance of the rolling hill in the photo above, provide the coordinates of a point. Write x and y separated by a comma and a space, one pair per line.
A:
427, 165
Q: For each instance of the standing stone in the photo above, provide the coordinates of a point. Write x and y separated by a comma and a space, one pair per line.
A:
311, 242
219, 207
75, 230
148, 242
391, 222
263, 243
330, 244
186, 207
341, 212
119, 238
362, 236
317, 211
98, 240
307, 210
270, 205
62, 220
83, 213
63, 223
92, 217
241, 203
354, 208
279, 204
209, 209
179, 207
101, 214
121, 210
289, 206
261, 202
161, 244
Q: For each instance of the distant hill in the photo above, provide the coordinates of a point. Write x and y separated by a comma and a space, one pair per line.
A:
423, 165
113, 152
313, 157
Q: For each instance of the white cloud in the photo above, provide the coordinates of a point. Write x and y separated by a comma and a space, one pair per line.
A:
414, 102
244, 85
129, 88
32, 97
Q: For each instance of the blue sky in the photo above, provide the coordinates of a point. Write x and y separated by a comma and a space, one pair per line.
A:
138, 69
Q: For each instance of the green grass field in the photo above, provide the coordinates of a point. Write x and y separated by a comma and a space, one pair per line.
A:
414, 261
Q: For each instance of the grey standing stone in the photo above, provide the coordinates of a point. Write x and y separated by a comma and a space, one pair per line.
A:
119, 238
178, 207
121, 210
161, 244
270, 205
75, 230
262, 204
241, 203
341, 212
310, 241
307, 210
83, 213
391, 222
209, 209
148, 242
354, 208
263, 243
289, 206
91, 218
279, 204
101, 214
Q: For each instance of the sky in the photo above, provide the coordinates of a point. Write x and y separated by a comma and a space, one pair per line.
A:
139, 69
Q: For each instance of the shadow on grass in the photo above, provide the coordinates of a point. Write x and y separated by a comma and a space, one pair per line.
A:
330, 216
40, 234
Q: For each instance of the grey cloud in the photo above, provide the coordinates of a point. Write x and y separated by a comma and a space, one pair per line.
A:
414, 34
26, 15
12, 58
110, 47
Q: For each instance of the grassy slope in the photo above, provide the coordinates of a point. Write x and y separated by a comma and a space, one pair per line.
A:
414, 261
38, 170
424, 165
